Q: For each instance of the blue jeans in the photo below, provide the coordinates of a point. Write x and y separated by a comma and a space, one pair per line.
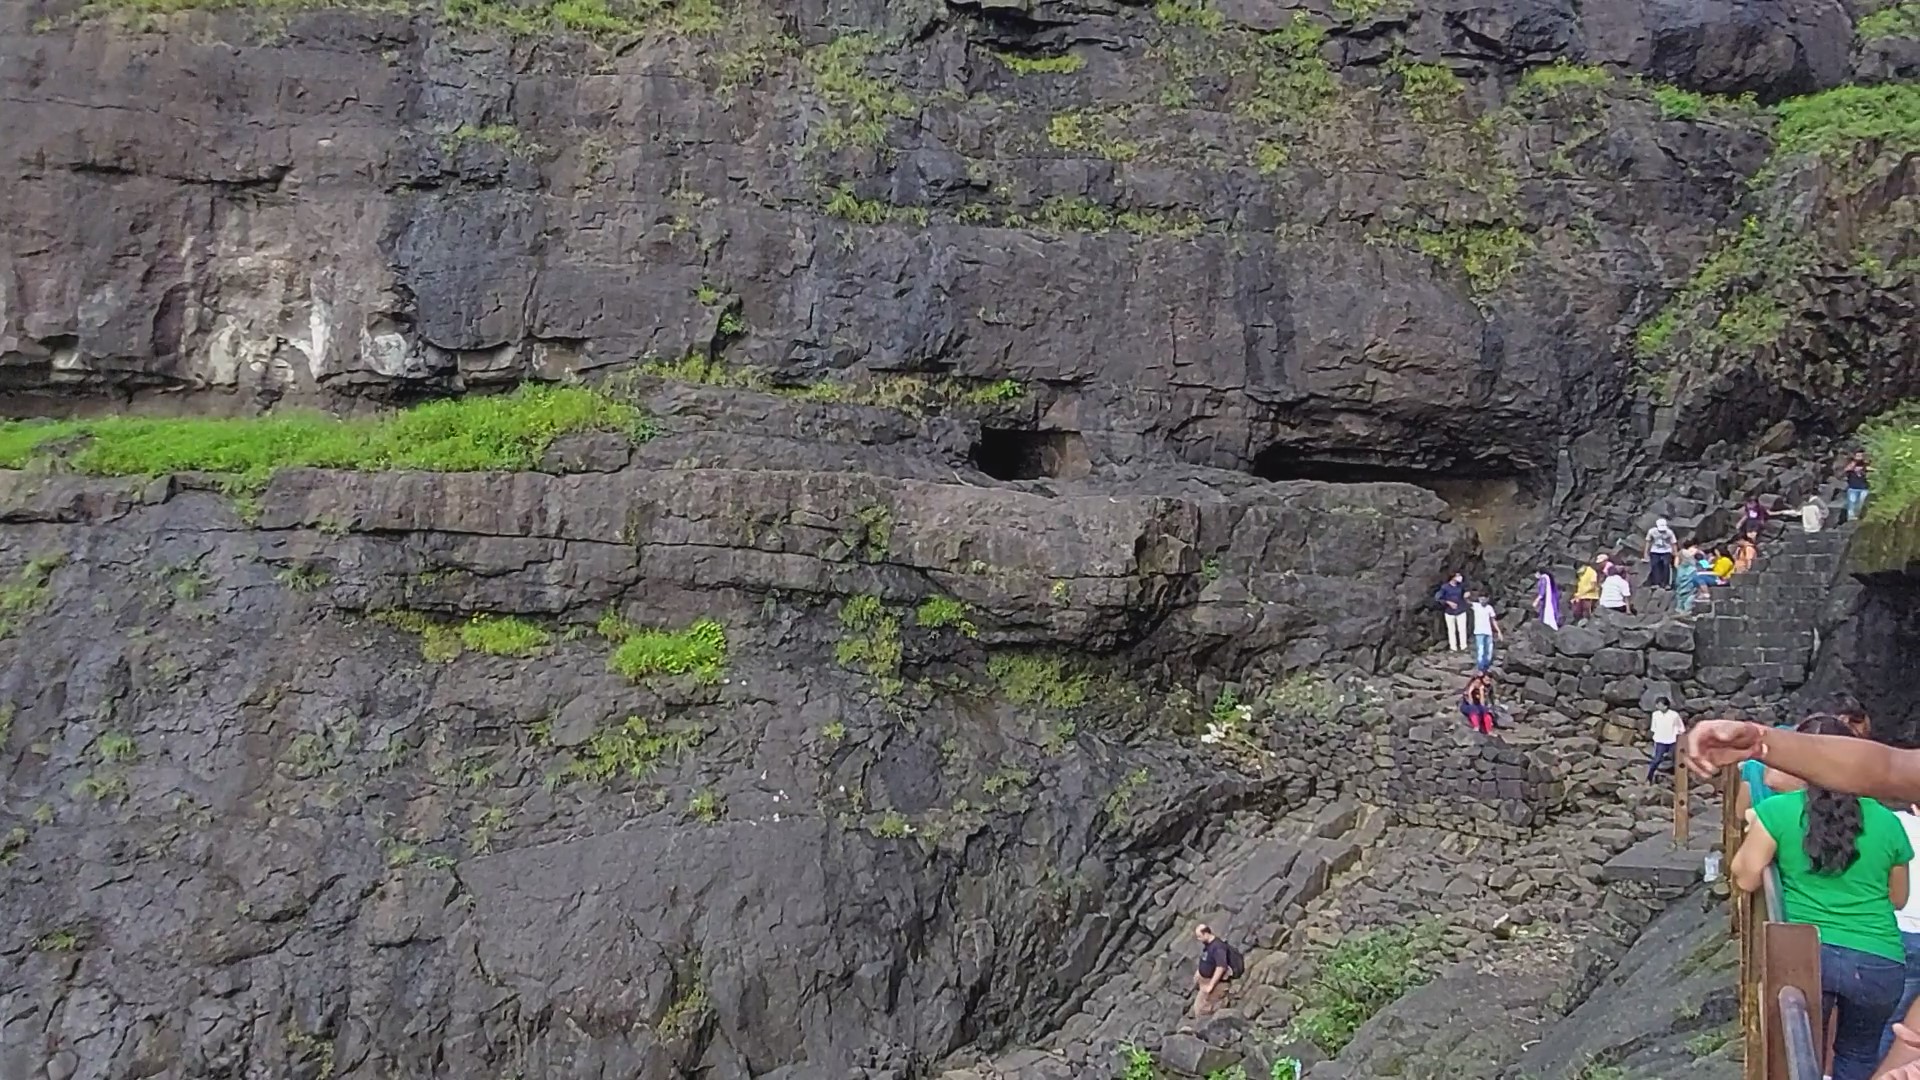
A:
1912, 942
1856, 499
1483, 651
1865, 988
1662, 752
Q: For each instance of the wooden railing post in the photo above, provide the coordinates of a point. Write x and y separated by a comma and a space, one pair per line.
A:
1791, 957
1681, 824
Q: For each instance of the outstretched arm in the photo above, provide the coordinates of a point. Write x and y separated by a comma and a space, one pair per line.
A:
1835, 762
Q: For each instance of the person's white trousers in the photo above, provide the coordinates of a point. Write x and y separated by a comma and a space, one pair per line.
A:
1457, 638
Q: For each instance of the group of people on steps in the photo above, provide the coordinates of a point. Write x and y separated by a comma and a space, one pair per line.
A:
1687, 569
1843, 859
1812, 801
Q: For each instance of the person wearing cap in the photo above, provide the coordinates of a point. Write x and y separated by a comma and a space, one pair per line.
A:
1661, 543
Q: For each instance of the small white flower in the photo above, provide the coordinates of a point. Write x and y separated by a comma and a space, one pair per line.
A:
1246, 712
776, 819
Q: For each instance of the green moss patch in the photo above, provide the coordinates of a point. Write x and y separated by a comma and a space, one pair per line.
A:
494, 635
26, 591
699, 651
631, 750
469, 434
1040, 679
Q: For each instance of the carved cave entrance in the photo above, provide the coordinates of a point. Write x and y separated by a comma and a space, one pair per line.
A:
1016, 454
1497, 505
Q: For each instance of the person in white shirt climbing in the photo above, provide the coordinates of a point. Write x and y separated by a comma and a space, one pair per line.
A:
1486, 627
1667, 727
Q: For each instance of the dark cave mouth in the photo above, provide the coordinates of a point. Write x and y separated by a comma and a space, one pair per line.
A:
1021, 454
1496, 499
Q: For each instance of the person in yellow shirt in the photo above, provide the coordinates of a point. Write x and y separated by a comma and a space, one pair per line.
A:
1586, 587
1722, 565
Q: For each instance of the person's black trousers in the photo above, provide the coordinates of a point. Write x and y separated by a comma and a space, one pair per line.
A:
1660, 574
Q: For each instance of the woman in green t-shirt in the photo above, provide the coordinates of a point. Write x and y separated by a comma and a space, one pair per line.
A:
1843, 868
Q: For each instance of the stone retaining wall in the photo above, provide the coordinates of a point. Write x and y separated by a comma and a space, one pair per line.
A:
1430, 770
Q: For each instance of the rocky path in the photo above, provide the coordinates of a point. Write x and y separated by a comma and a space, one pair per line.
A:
1284, 888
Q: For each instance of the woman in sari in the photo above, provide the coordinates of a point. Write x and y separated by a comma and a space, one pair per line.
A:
1546, 599
1686, 579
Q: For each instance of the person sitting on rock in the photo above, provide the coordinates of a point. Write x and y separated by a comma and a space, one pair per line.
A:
1842, 862
1476, 703
1217, 968
1744, 552
1586, 588
1616, 592
1722, 567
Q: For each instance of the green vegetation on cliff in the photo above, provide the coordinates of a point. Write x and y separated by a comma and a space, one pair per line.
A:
700, 650
1893, 444
469, 434
494, 635
1832, 123
1900, 20
1745, 295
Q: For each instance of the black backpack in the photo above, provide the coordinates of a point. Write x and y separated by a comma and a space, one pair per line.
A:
1236, 963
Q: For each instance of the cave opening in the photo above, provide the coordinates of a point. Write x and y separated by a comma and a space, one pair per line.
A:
1016, 454
1498, 504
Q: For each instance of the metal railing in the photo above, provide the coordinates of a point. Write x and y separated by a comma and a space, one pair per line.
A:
1779, 964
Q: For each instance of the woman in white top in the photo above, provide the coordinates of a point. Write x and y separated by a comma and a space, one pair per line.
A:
1615, 593
1909, 919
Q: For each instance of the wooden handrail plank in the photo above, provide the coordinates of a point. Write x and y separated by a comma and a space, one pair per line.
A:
1790, 956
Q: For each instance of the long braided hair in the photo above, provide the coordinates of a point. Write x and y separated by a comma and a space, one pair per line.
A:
1834, 821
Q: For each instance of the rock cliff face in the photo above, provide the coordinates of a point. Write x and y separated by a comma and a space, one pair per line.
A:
1275, 238
1031, 380
279, 806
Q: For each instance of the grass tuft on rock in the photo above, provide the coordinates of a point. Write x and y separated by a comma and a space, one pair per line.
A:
1361, 975
495, 635
26, 591
468, 434
1039, 679
643, 653
631, 749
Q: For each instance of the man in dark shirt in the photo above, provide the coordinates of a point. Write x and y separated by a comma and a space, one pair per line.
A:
1452, 598
1856, 486
1211, 975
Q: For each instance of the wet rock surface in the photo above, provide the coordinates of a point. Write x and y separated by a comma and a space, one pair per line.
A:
1176, 369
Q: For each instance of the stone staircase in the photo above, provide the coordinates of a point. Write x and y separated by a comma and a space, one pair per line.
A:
1759, 634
